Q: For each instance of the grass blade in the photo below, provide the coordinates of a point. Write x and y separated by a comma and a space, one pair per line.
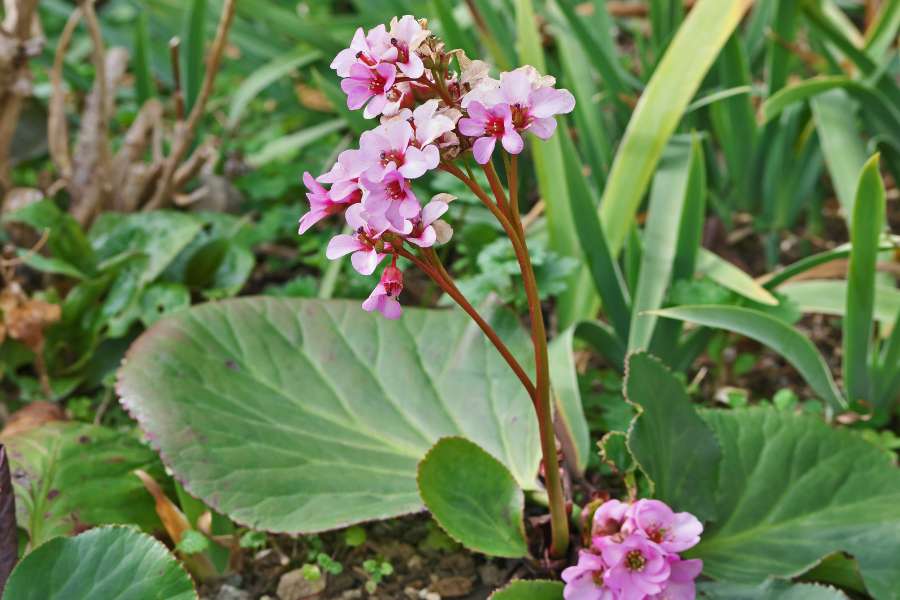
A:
829, 296
883, 32
868, 223
671, 88
194, 52
795, 347
729, 276
143, 75
672, 186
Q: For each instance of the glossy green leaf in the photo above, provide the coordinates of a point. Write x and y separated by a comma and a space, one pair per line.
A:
771, 590
678, 180
672, 86
795, 347
793, 490
829, 297
835, 114
535, 589
69, 476
865, 230
474, 498
306, 415
670, 442
265, 76
731, 277
112, 563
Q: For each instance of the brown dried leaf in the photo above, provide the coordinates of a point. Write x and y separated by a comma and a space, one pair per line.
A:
32, 416
312, 98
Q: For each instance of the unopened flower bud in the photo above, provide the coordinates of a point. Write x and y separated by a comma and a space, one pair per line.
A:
392, 280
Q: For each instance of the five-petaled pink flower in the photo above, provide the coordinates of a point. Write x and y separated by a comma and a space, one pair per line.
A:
369, 87
681, 584
363, 243
490, 125
384, 297
610, 518
584, 581
387, 148
636, 567
392, 198
423, 233
407, 34
324, 203
674, 532
533, 108
365, 49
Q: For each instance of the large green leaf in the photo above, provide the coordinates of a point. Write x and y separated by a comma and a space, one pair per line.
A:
530, 590
795, 347
865, 229
69, 476
674, 83
306, 415
771, 590
108, 563
793, 490
474, 498
670, 442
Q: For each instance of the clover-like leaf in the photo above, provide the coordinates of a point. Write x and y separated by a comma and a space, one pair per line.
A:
306, 415
108, 563
474, 498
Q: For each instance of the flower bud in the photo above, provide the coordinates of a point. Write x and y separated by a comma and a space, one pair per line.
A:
392, 280
443, 230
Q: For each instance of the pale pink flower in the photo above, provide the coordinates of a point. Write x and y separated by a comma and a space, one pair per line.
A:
584, 581
344, 174
609, 518
384, 297
533, 108
431, 125
387, 148
369, 87
393, 198
636, 567
368, 230
424, 234
681, 584
364, 49
674, 532
406, 35
323, 203
490, 125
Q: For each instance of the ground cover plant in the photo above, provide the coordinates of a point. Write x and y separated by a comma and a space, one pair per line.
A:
510, 299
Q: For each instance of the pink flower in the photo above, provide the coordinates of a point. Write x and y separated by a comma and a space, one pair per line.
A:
405, 38
364, 49
637, 567
393, 198
681, 581
384, 297
584, 581
674, 532
370, 87
491, 124
609, 518
429, 124
344, 175
387, 148
532, 104
323, 203
423, 233
363, 243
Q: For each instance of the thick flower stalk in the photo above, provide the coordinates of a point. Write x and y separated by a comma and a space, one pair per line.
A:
436, 107
634, 554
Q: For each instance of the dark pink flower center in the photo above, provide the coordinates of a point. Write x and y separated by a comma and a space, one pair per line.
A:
656, 534
395, 191
365, 58
402, 50
521, 118
392, 156
377, 83
635, 561
495, 127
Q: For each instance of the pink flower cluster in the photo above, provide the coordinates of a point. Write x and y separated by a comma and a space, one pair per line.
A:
634, 555
430, 114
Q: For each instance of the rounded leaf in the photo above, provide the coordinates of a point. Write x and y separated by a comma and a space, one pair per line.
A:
530, 590
112, 563
474, 498
305, 415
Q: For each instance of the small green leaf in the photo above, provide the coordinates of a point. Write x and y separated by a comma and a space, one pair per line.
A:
74, 475
192, 542
670, 442
112, 563
530, 590
474, 498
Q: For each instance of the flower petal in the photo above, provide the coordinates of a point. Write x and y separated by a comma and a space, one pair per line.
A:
483, 149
